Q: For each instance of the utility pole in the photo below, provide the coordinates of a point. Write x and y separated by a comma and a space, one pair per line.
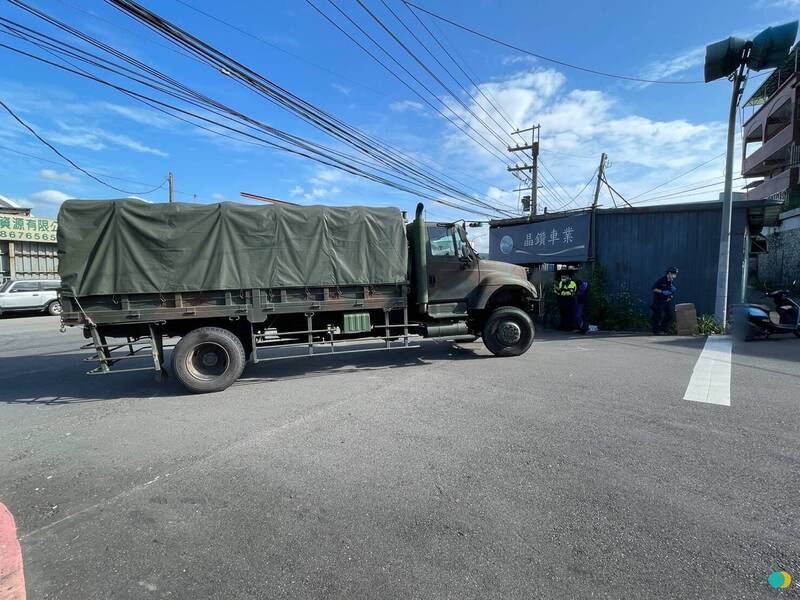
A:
732, 58
533, 167
171, 187
724, 260
601, 174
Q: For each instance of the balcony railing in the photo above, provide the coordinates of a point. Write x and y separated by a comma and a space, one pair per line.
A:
775, 153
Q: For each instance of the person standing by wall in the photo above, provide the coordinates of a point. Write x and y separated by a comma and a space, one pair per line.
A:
663, 307
582, 300
566, 289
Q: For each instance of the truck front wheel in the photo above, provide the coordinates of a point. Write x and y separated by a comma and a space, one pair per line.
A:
208, 359
508, 331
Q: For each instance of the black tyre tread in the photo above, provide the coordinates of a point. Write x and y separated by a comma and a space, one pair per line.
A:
522, 318
222, 336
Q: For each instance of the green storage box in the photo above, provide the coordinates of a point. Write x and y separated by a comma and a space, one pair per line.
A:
357, 323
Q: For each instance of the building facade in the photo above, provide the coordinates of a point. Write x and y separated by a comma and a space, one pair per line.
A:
779, 266
27, 244
771, 137
634, 246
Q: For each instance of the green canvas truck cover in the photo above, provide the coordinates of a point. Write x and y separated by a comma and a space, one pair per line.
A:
131, 246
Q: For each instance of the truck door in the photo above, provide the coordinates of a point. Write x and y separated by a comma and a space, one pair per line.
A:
452, 271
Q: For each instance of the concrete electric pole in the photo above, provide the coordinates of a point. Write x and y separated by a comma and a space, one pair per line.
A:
601, 174
533, 167
171, 187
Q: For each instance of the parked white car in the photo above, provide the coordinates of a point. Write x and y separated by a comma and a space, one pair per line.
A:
29, 295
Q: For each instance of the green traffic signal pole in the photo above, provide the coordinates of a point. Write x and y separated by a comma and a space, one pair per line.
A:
723, 265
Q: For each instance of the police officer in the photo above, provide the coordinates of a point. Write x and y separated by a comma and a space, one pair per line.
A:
663, 309
565, 289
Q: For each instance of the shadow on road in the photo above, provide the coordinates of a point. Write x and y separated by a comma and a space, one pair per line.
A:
55, 379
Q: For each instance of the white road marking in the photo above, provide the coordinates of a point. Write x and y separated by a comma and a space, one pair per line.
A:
711, 378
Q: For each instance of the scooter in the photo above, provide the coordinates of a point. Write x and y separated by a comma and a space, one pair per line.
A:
758, 320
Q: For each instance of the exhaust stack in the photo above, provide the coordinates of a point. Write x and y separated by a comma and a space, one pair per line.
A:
420, 247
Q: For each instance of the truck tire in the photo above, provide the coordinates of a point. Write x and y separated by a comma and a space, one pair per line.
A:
208, 359
508, 331
54, 308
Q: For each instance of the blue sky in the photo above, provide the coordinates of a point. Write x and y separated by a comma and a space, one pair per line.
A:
651, 132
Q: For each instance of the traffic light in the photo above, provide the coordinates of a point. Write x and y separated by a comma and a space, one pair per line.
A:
770, 47
723, 58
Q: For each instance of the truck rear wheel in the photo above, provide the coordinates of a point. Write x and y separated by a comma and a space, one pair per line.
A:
208, 359
508, 331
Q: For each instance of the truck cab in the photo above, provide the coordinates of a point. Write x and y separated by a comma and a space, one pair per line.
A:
453, 285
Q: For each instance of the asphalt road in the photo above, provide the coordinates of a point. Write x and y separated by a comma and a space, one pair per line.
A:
575, 471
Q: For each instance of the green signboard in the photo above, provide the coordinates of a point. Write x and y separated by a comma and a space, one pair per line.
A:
18, 228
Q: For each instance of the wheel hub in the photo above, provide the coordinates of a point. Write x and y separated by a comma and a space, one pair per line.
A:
509, 333
210, 359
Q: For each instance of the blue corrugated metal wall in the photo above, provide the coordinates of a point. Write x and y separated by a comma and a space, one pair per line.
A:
635, 248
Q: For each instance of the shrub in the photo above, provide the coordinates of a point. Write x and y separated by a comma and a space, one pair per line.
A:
708, 325
619, 311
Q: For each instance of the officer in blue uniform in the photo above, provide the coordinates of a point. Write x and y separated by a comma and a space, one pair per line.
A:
663, 309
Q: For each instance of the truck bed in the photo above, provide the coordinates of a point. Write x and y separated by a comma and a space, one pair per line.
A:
256, 304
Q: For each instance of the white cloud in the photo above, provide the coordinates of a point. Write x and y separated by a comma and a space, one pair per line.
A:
318, 193
45, 202
664, 69
49, 197
142, 116
327, 175
403, 106
779, 4
125, 142
97, 138
524, 59
53, 175
582, 123
296, 191
341, 89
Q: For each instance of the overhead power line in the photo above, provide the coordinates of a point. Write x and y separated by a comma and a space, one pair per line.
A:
483, 142
442, 66
94, 171
366, 144
70, 161
541, 56
702, 164
583, 189
685, 192
466, 70
239, 29
255, 139
375, 150
269, 44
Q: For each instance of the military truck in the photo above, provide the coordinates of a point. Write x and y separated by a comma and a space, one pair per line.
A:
232, 281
